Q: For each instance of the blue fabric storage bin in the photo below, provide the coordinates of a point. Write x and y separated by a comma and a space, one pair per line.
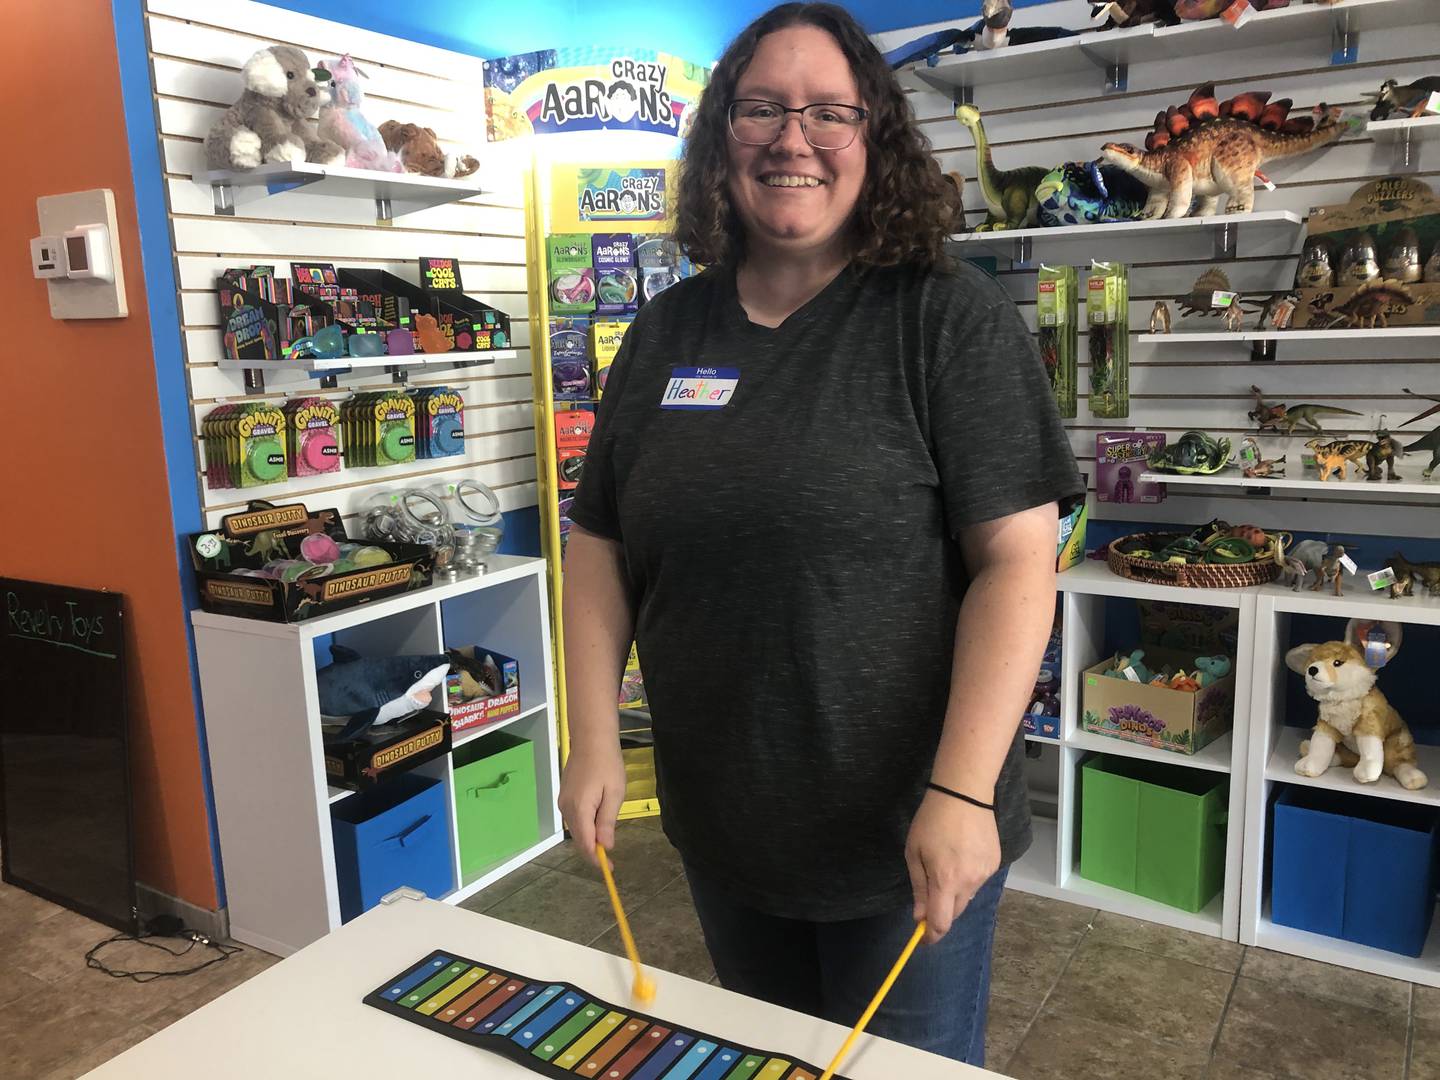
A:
1357, 867
392, 835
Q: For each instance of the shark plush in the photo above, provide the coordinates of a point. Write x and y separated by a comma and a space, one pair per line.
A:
366, 691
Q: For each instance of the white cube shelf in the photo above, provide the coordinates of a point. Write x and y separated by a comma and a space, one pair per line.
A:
262, 722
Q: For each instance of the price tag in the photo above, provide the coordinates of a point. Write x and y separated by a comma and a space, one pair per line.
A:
1348, 563
1381, 579
1264, 181
1238, 13
1433, 105
1130, 674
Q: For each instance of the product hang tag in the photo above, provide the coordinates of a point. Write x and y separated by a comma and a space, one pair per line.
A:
1238, 13
1348, 563
1432, 106
700, 388
1381, 579
1130, 674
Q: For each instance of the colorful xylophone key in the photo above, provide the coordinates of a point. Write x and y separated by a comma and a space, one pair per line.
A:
562, 1031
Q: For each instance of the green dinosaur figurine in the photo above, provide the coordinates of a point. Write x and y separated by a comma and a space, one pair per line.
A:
1009, 193
1273, 416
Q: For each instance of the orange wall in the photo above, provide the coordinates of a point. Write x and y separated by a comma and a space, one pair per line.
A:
66, 131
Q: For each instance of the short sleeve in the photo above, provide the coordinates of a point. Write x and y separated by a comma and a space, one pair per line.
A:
594, 506
995, 432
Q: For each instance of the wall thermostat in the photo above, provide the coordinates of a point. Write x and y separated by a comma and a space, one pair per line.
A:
87, 253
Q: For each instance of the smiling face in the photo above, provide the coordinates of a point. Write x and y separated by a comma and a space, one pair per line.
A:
789, 196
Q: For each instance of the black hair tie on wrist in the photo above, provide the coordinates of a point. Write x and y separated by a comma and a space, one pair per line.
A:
962, 797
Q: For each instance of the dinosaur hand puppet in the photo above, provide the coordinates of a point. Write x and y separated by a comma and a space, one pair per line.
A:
366, 691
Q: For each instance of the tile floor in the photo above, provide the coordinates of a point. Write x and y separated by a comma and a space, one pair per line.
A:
1078, 994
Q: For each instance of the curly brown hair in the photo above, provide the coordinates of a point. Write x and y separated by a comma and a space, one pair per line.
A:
906, 210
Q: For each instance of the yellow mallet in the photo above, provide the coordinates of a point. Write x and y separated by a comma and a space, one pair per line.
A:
644, 986
875, 1002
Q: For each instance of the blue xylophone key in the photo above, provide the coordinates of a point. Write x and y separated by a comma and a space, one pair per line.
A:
413, 978
548, 1020
690, 1064
662, 1059
720, 1065
538, 999
509, 1009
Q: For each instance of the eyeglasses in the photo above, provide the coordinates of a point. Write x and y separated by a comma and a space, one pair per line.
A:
825, 125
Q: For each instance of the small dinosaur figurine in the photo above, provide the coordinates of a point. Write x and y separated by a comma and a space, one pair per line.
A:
1383, 451
1160, 318
1365, 310
1409, 99
1430, 442
1332, 569
1407, 573
1279, 311
1428, 412
1273, 416
1203, 150
1271, 467
1009, 193
1334, 456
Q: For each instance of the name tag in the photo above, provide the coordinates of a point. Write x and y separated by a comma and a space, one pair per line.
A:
700, 388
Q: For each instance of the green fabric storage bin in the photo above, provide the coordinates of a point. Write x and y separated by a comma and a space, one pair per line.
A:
496, 811
1154, 830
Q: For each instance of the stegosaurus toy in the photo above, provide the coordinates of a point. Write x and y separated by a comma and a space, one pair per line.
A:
1009, 193
1207, 148
1365, 310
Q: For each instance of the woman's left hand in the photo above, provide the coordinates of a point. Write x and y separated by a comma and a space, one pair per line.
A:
952, 850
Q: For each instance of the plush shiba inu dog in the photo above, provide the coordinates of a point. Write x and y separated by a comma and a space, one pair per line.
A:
1357, 726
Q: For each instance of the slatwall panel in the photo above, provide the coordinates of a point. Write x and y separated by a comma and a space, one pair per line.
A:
196, 51
1175, 387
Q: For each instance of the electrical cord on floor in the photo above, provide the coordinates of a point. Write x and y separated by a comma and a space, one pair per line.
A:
161, 927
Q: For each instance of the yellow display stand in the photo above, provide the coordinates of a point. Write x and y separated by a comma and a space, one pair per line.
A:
640, 796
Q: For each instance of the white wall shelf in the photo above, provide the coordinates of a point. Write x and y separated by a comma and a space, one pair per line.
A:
1355, 485
1424, 968
1268, 229
272, 798
1215, 757
1421, 129
342, 363
1293, 28
392, 194
1378, 336
1093, 577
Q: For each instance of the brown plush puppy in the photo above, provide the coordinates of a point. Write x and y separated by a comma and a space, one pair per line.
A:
420, 151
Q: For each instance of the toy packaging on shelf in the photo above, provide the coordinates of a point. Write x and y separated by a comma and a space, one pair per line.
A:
1042, 718
632, 685
1070, 535
658, 259
608, 335
1177, 691
464, 323
386, 749
572, 439
1056, 313
570, 358
1120, 458
312, 436
1107, 302
379, 428
439, 422
474, 703
617, 285
257, 322
285, 564
1373, 261
245, 445
572, 274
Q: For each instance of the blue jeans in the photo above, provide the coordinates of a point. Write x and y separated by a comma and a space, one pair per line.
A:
832, 970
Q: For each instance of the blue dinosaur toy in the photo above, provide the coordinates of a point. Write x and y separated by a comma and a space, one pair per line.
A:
1211, 669
1134, 662
1087, 193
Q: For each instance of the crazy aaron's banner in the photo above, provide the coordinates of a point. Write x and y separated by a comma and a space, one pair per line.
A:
633, 197
590, 89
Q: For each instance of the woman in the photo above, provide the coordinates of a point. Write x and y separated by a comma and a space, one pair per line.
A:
821, 493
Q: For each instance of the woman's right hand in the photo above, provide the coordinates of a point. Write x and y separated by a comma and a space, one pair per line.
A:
591, 792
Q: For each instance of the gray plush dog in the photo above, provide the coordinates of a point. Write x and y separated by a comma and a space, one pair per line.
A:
271, 121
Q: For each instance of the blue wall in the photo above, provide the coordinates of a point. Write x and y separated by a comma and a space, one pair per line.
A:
696, 31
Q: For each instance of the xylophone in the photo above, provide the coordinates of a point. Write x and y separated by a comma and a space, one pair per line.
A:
560, 1030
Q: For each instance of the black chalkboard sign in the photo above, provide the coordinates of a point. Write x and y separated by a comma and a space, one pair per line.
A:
65, 830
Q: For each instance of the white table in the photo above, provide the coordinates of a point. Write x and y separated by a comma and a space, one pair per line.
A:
304, 1016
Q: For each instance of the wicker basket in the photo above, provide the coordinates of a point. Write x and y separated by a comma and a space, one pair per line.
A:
1187, 575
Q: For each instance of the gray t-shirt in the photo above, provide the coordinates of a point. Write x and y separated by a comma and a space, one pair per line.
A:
787, 500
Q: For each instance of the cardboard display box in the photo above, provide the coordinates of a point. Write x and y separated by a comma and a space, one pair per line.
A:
230, 566
1180, 720
1381, 208
470, 325
469, 705
380, 752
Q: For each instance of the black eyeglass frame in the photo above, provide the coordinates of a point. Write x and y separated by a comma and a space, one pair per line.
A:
785, 111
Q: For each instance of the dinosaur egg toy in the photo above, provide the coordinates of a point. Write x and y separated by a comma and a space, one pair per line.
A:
1402, 259
1358, 262
1432, 266
1316, 270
